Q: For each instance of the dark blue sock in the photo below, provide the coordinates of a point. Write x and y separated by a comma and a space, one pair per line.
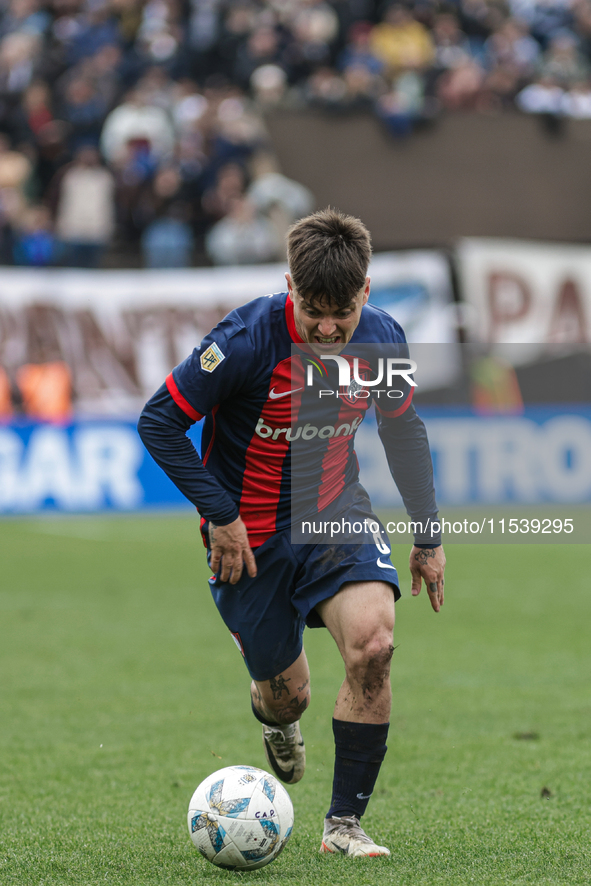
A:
359, 751
260, 717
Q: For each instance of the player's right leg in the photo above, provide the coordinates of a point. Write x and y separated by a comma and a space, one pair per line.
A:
279, 703
268, 631
284, 698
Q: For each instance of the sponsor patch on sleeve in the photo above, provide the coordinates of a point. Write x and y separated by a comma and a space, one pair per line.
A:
211, 358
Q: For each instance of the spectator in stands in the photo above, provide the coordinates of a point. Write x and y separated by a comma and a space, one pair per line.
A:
268, 85
512, 47
104, 70
460, 87
168, 241
563, 62
52, 151
178, 90
544, 97
325, 89
137, 122
545, 20
243, 237
357, 51
280, 199
402, 42
261, 48
237, 23
362, 88
35, 244
19, 59
404, 104
160, 35
313, 27
96, 27
477, 21
15, 176
25, 17
230, 185
581, 10
34, 112
84, 199
577, 101
451, 46
84, 109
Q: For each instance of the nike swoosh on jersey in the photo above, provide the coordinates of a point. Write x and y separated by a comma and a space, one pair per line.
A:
275, 396
384, 565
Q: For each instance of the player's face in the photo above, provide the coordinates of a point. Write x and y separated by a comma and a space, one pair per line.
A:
326, 327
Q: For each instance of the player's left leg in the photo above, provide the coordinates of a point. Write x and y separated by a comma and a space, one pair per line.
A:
360, 618
279, 703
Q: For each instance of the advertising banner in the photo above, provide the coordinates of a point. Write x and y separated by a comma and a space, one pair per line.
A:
86, 466
540, 457
108, 339
523, 292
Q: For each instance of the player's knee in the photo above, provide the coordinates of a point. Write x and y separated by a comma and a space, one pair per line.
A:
368, 662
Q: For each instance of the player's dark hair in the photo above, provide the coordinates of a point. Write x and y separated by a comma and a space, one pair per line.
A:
328, 255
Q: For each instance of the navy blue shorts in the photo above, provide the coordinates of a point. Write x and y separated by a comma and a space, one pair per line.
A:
266, 615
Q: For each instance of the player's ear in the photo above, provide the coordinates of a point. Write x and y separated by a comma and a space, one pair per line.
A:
289, 283
366, 290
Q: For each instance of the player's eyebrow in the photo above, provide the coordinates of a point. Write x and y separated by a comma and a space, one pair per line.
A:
317, 306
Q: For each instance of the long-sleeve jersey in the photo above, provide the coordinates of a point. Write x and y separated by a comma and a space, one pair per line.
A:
270, 437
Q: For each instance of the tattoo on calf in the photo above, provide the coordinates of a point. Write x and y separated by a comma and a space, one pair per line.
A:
286, 713
279, 685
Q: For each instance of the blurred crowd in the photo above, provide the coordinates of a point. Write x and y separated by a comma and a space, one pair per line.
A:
140, 124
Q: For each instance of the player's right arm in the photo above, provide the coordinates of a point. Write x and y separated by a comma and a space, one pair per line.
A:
186, 397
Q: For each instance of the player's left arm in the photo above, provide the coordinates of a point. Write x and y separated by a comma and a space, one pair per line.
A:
404, 437
405, 442
407, 449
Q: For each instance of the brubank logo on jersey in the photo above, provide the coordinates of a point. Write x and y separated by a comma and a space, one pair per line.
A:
356, 387
307, 431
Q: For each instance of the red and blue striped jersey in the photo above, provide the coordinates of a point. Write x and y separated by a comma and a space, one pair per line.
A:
248, 379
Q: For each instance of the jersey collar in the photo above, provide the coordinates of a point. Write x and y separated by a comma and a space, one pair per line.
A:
290, 320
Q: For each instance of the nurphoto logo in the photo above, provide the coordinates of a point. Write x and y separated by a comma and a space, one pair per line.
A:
356, 387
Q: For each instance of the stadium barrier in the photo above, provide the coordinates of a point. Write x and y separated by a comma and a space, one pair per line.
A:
121, 332
542, 456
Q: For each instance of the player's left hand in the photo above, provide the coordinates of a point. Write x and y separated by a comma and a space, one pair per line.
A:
428, 565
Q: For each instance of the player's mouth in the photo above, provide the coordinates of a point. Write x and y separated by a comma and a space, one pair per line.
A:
326, 342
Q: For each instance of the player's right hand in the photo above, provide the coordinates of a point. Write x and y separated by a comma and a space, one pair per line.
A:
230, 548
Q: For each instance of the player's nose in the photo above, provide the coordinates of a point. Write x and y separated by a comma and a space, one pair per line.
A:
327, 326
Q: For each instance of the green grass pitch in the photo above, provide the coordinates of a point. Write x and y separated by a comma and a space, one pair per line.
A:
120, 690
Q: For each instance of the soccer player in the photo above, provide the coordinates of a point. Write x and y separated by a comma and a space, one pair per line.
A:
249, 379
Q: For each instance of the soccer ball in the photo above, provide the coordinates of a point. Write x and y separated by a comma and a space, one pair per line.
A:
240, 818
